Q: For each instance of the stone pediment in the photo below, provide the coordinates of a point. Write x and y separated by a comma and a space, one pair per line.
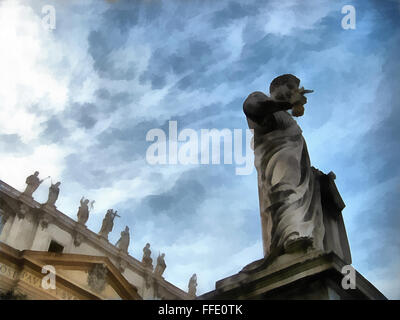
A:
76, 276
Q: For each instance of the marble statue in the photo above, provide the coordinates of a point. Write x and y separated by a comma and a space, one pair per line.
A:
147, 260
32, 183
54, 191
192, 285
108, 223
84, 209
160, 267
289, 195
123, 242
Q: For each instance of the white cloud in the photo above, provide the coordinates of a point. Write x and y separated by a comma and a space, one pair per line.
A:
27, 78
47, 159
282, 18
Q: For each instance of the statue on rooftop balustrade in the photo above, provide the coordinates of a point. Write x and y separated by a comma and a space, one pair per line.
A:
160, 267
123, 242
192, 285
84, 209
147, 260
54, 191
32, 183
108, 223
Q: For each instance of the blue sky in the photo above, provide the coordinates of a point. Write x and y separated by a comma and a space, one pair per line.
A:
76, 103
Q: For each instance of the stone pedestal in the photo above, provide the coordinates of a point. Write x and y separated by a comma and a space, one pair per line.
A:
48, 207
299, 276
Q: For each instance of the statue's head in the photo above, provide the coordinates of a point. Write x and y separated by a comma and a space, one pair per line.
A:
36, 173
86, 201
285, 88
57, 184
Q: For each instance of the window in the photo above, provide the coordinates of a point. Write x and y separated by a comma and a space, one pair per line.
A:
55, 247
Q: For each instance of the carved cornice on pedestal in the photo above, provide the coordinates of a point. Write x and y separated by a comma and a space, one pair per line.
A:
78, 239
4, 216
28, 200
122, 264
44, 223
44, 219
23, 211
78, 234
148, 277
160, 293
103, 237
49, 207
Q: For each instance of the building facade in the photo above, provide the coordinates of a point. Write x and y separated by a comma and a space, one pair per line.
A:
40, 246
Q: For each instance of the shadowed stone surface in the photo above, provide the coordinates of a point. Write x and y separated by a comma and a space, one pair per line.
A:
298, 276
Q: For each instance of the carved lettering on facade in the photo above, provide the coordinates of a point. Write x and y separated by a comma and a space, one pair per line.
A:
34, 281
8, 271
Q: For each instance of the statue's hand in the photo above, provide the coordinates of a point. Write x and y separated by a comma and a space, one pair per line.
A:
298, 110
301, 101
298, 98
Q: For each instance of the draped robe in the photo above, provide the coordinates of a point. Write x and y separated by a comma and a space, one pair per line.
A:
289, 193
